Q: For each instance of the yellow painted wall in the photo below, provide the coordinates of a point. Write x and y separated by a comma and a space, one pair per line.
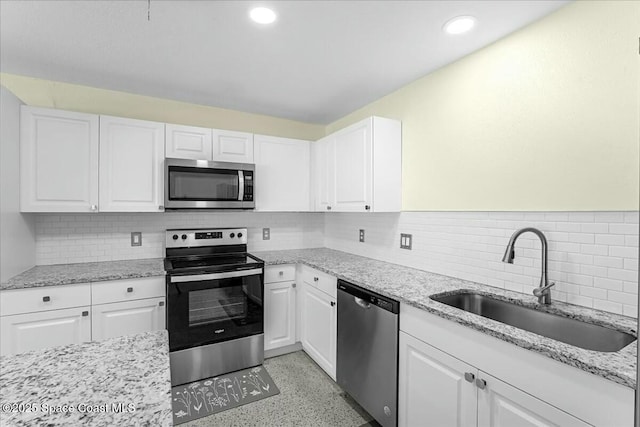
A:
65, 96
545, 119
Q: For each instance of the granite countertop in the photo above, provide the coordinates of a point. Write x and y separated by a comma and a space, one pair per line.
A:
413, 287
67, 274
407, 285
89, 378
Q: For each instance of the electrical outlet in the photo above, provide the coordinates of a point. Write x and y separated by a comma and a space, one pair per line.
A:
405, 241
136, 238
266, 233
361, 235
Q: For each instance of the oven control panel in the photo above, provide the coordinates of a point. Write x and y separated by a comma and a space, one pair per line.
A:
181, 238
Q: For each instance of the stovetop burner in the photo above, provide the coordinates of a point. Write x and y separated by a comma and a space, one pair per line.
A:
211, 263
196, 251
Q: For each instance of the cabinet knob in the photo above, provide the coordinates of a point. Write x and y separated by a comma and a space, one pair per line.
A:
94, 208
469, 377
328, 208
161, 303
333, 303
293, 285
367, 207
129, 289
315, 279
85, 313
161, 208
281, 273
46, 299
482, 384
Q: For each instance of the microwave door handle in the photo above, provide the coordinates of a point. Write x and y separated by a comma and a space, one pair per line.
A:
215, 276
240, 186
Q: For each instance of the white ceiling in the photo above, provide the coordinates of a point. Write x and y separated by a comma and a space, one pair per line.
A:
318, 62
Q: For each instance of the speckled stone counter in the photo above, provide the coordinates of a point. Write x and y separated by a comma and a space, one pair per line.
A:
407, 285
93, 379
414, 287
66, 274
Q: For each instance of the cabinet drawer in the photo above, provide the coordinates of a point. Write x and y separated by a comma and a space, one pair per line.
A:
279, 273
322, 281
127, 290
31, 300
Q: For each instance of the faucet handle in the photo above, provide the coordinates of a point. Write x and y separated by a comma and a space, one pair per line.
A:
543, 290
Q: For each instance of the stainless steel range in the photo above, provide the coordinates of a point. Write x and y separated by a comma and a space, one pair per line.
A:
215, 313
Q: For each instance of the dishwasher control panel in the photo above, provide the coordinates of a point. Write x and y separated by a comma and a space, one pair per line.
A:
370, 297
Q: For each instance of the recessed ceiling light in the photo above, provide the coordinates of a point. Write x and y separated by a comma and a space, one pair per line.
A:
459, 24
262, 15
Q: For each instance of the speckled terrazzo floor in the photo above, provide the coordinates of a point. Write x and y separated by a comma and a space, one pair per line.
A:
308, 397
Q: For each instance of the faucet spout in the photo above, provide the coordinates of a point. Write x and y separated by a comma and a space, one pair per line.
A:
543, 290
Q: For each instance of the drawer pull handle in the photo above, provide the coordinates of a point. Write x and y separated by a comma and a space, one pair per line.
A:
469, 377
46, 299
481, 383
85, 313
161, 303
315, 279
281, 273
333, 303
129, 289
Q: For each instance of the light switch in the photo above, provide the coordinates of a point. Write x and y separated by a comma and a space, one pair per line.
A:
136, 238
405, 241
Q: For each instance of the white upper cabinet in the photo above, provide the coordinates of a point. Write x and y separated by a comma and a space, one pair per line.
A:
131, 160
359, 168
323, 164
58, 161
232, 146
187, 142
283, 174
353, 168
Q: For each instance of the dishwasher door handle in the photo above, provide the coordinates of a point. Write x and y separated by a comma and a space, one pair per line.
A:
362, 303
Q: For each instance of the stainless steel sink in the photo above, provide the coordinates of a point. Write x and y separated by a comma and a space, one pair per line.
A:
567, 330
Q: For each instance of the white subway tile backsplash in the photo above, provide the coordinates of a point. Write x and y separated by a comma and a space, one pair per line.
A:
593, 256
70, 238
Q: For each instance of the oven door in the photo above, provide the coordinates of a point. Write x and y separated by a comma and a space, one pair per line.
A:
214, 307
195, 184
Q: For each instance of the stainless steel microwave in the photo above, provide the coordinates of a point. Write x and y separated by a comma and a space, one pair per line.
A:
200, 184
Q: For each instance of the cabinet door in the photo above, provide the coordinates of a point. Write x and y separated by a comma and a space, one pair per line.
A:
279, 314
432, 389
26, 332
502, 405
126, 318
319, 327
58, 161
131, 159
323, 155
282, 168
353, 168
231, 146
187, 142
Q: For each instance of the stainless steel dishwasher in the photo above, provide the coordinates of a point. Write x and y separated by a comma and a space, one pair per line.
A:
367, 366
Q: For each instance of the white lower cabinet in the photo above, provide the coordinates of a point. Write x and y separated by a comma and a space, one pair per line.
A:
33, 331
279, 306
446, 391
318, 317
49, 316
432, 387
453, 375
127, 318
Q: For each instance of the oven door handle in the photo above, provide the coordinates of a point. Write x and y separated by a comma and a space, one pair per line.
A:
215, 276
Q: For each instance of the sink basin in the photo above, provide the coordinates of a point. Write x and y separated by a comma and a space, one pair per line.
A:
567, 330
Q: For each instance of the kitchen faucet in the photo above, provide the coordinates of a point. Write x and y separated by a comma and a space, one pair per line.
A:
543, 292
